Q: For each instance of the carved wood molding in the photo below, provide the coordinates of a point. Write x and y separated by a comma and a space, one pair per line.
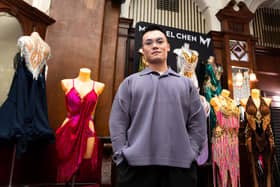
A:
30, 18
124, 26
243, 14
235, 17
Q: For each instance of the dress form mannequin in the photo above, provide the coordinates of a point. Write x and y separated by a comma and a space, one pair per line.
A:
214, 101
83, 84
259, 137
76, 138
24, 115
212, 85
186, 62
255, 94
35, 51
225, 141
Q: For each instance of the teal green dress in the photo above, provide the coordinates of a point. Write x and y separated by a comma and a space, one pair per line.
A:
213, 88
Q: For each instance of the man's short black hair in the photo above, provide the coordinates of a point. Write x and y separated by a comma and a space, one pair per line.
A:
153, 28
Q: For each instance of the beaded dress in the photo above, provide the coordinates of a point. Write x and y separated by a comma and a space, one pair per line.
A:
24, 115
225, 143
260, 138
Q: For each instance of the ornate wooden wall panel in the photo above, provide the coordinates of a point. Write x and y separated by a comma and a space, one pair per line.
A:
75, 41
107, 69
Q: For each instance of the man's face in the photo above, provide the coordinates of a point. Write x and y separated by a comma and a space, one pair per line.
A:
155, 47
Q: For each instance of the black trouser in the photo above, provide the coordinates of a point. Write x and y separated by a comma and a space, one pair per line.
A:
156, 176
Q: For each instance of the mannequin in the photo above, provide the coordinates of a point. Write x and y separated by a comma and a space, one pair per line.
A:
259, 137
81, 98
225, 140
213, 74
186, 62
255, 94
24, 115
215, 101
35, 51
83, 84
212, 85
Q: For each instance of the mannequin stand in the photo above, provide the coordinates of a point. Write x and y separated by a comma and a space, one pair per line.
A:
73, 180
12, 167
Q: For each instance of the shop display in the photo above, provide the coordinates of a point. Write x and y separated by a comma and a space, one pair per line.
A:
24, 115
76, 137
259, 137
186, 62
225, 146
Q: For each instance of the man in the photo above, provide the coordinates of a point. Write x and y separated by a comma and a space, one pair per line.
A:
157, 123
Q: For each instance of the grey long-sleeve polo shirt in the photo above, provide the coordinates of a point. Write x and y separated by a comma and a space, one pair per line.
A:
157, 120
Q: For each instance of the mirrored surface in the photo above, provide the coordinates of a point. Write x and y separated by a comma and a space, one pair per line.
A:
10, 32
240, 83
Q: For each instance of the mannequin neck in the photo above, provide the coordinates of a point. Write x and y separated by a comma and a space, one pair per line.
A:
35, 35
84, 75
225, 93
255, 93
211, 60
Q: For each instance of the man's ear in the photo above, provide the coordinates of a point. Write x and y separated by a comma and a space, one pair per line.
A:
168, 48
140, 50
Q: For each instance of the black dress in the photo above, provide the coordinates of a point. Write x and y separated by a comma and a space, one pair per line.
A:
24, 115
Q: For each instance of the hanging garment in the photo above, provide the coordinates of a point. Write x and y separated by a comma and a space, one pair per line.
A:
212, 88
24, 115
259, 138
71, 137
225, 144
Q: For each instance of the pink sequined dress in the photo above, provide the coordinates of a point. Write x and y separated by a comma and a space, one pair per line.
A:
71, 138
225, 147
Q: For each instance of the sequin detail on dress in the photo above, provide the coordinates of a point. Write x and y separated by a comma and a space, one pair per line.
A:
259, 137
225, 144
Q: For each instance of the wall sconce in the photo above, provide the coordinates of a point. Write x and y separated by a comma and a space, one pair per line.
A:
239, 79
253, 77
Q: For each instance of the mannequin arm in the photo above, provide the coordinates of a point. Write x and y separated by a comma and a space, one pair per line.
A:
66, 85
99, 87
267, 101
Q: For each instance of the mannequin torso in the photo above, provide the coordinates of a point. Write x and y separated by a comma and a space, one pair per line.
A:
259, 136
35, 51
218, 103
225, 139
255, 94
83, 85
214, 101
